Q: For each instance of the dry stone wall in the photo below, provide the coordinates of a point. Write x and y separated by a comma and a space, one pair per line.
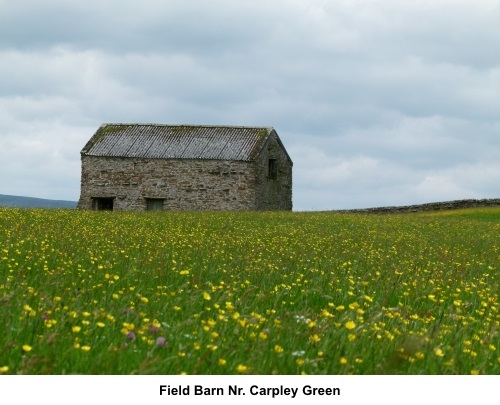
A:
446, 205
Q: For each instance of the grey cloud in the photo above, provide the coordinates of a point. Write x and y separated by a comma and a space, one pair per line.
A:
130, 26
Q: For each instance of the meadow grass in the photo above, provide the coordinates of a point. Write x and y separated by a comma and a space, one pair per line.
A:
85, 292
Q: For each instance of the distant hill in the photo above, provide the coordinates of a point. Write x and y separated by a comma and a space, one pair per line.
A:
31, 202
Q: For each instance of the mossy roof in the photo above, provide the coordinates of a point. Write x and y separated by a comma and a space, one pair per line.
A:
178, 141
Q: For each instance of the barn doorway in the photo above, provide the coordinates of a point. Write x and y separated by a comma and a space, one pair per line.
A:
103, 203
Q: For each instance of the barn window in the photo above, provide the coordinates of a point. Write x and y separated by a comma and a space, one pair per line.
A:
154, 204
273, 168
102, 203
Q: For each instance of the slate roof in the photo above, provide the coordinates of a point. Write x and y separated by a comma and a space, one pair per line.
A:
178, 141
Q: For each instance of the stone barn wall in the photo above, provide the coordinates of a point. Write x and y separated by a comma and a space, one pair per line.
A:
182, 184
274, 191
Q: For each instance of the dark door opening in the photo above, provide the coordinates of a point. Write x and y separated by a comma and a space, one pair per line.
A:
103, 204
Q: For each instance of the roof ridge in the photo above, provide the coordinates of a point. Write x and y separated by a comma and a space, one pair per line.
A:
186, 125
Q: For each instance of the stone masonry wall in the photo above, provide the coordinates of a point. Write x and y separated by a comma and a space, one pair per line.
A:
273, 193
437, 206
183, 184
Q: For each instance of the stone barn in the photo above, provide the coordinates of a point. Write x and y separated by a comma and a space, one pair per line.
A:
137, 167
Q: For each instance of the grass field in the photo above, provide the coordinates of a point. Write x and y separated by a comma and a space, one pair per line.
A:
250, 293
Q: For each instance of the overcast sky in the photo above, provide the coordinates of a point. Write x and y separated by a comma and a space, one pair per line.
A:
378, 102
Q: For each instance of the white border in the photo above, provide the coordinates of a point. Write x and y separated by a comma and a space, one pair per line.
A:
145, 390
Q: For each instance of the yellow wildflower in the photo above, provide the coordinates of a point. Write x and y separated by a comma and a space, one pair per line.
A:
438, 352
241, 368
350, 325
314, 338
